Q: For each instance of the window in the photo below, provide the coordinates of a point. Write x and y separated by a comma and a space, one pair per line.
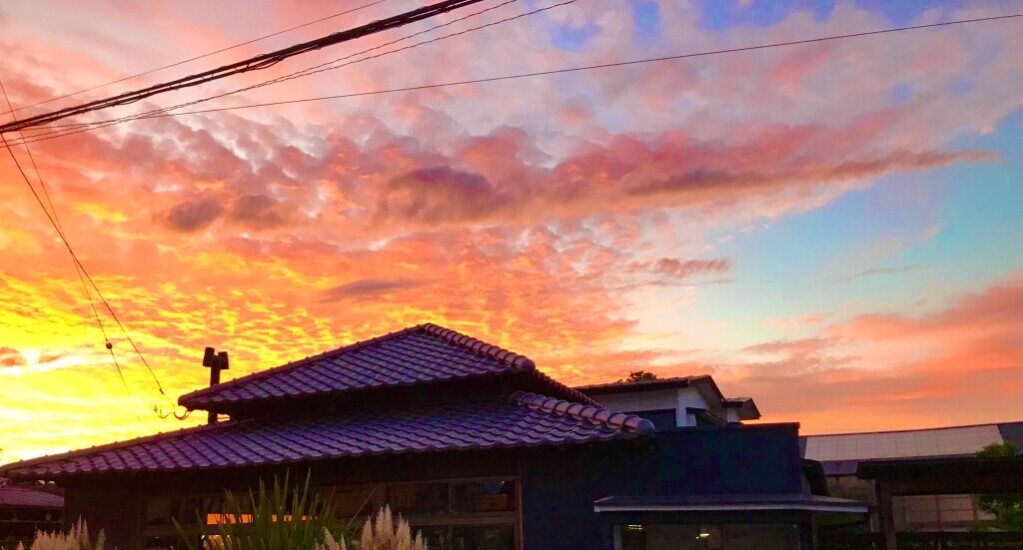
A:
466, 514
483, 496
353, 502
936, 512
423, 498
708, 537
468, 537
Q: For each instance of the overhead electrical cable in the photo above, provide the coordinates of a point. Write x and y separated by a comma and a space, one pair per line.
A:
196, 58
256, 63
83, 274
60, 231
328, 66
33, 139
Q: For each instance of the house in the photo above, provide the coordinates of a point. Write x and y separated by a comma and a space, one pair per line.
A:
25, 509
922, 485
685, 401
472, 443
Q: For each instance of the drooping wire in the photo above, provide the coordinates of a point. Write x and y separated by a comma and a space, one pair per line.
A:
83, 275
330, 65
196, 58
256, 63
54, 135
60, 231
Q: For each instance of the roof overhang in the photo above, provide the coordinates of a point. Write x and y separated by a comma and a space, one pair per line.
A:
747, 407
730, 503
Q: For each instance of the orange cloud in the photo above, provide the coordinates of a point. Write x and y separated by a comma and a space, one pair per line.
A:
892, 371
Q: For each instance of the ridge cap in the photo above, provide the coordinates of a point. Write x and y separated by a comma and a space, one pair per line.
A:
597, 414
479, 347
201, 392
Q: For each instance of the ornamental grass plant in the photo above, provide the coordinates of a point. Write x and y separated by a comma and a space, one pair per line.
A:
281, 518
286, 518
383, 532
75, 539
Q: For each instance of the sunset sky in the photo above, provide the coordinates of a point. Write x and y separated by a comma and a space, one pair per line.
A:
833, 229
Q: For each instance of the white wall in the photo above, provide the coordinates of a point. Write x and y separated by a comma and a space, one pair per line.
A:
689, 397
655, 400
658, 400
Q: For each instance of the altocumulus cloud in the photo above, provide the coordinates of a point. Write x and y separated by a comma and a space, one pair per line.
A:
10, 357
364, 288
193, 215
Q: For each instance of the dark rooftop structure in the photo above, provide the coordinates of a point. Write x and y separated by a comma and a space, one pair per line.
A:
25, 510
521, 420
471, 442
922, 485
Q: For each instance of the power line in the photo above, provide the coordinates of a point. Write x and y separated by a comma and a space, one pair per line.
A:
328, 66
80, 268
54, 135
196, 58
60, 231
256, 63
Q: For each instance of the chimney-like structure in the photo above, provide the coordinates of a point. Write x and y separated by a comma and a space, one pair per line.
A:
216, 362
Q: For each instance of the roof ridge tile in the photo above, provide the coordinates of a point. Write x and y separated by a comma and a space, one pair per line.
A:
598, 415
300, 362
480, 347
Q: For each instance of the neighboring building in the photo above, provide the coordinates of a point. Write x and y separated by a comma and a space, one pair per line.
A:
25, 510
470, 442
855, 464
682, 402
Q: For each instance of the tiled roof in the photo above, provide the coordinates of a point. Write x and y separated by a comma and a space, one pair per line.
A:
420, 354
24, 497
521, 420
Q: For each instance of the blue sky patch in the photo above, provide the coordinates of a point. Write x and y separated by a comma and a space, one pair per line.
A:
573, 38
646, 16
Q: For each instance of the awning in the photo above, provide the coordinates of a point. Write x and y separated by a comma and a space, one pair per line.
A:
729, 503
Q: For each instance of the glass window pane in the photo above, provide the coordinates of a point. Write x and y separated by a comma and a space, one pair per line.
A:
483, 496
352, 502
426, 498
436, 537
709, 537
484, 537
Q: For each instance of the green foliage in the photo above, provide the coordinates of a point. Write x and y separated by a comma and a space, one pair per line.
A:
283, 518
75, 539
1007, 508
1007, 448
639, 376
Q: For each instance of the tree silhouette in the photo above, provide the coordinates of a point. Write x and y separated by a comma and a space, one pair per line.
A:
1007, 508
639, 376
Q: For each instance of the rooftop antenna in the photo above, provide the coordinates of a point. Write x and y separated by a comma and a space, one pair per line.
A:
216, 362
